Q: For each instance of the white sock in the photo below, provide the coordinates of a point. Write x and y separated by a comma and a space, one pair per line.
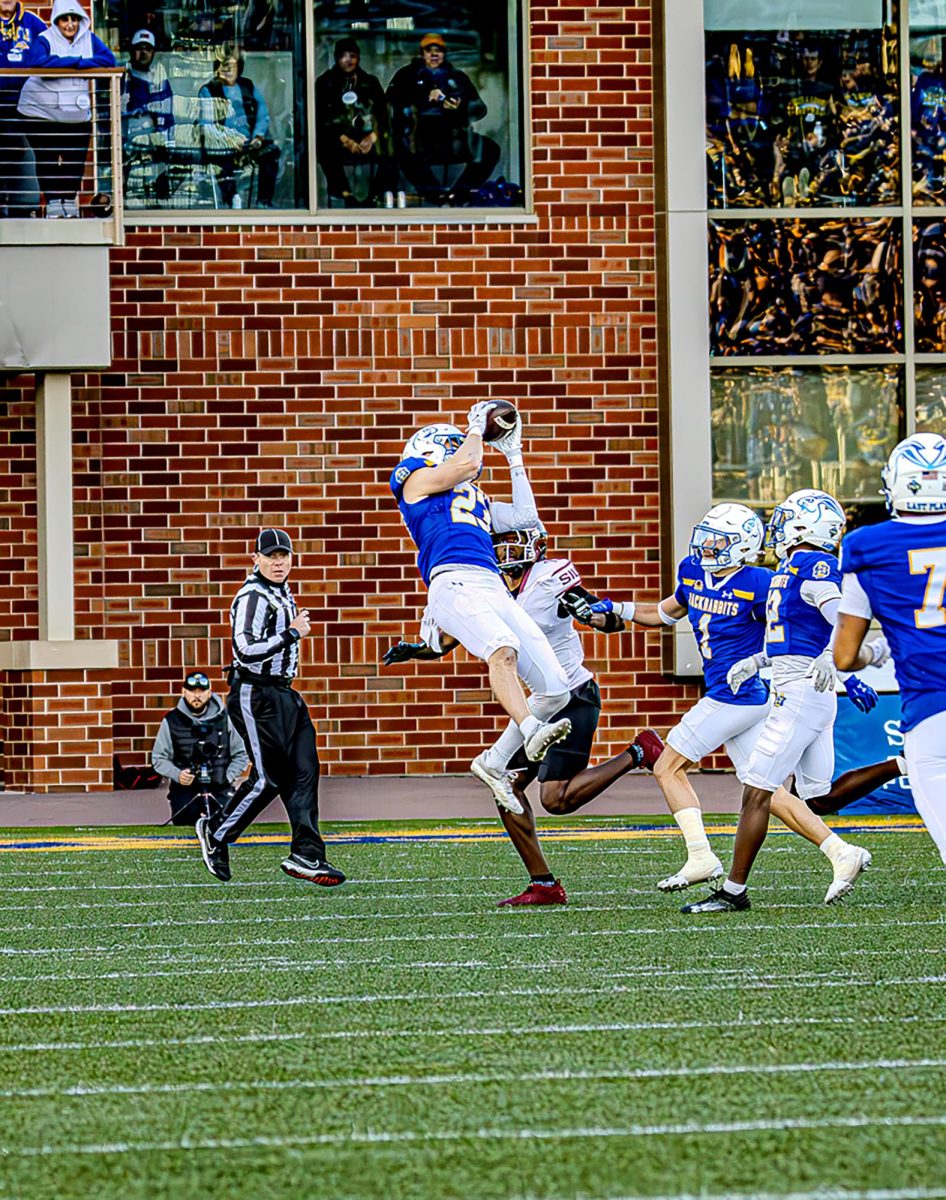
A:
734, 889
509, 741
832, 846
528, 727
690, 821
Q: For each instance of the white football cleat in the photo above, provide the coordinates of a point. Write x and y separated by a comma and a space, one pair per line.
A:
847, 867
698, 869
498, 783
545, 736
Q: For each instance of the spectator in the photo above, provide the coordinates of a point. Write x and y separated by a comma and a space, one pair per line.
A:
59, 109
197, 733
352, 127
18, 30
808, 125
434, 106
235, 125
147, 112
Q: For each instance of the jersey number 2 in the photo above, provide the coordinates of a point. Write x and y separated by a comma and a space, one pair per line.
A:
774, 632
931, 563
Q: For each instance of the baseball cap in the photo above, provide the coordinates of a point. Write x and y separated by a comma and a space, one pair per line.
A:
432, 39
197, 679
143, 35
270, 540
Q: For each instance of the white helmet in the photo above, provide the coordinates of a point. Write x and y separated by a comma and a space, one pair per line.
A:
517, 549
808, 515
915, 475
434, 443
728, 536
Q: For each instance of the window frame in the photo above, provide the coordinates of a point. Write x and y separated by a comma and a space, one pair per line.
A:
687, 363
520, 82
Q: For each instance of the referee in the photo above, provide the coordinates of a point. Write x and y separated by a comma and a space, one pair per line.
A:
272, 719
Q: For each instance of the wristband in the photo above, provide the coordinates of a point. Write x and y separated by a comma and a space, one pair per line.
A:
295, 634
515, 460
625, 609
665, 618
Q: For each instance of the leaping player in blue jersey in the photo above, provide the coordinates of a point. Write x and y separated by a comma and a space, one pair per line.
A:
896, 572
724, 596
796, 737
448, 517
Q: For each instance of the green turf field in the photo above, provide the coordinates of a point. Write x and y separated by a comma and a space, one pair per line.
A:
164, 1035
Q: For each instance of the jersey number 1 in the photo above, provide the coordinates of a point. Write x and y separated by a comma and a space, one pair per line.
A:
931, 563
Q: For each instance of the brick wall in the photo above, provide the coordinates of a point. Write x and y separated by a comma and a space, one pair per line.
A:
271, 376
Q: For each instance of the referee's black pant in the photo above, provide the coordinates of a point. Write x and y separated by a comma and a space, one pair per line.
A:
279, 736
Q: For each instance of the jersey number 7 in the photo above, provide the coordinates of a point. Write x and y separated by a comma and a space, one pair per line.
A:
932, 563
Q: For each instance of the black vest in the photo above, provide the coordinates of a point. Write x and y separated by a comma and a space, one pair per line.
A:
185, 734
215, 88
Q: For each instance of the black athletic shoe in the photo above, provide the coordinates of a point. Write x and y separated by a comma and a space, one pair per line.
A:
313, 870
216, 855
719, 901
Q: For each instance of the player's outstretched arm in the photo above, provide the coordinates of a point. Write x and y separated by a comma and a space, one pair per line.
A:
404, 651
601, 613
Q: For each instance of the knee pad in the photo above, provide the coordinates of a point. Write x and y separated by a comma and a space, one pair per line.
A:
544, 706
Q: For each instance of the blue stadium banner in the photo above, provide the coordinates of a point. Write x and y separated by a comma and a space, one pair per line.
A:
864, 738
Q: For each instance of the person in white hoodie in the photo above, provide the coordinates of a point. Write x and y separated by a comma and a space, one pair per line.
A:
58, 109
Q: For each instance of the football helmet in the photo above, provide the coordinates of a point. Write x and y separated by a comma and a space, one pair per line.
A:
434, 443
915, 475
728, 536
520, 548
808, 515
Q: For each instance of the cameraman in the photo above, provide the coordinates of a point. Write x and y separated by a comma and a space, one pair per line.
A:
198, 750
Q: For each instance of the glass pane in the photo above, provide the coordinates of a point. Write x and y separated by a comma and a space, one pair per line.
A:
928, 108
799, 115
776, 429
804, 287
929, 286
213, 102
418, 106
930, 399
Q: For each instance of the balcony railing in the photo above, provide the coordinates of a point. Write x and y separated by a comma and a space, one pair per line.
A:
59, 170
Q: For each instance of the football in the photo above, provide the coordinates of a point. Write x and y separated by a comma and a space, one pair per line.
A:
501, 419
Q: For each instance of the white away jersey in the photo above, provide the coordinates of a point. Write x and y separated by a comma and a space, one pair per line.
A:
539, 594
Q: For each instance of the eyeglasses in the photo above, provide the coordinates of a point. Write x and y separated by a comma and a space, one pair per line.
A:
197, 680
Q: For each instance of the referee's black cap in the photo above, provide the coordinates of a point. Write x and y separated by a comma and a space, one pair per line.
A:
268, 541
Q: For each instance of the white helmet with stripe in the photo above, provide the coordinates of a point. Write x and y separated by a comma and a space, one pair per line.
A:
434, 443
728, 536
915, 475
808, 516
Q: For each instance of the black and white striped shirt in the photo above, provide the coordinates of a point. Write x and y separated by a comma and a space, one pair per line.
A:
263, 643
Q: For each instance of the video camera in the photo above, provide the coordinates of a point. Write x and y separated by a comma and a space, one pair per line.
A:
205, 751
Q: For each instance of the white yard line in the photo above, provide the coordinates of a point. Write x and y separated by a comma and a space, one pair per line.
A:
471, 1078
774, 984
422, 1137
469, 1031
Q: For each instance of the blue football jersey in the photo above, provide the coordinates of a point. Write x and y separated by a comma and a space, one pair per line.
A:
450, 527
902, 568
728, 619
793, 626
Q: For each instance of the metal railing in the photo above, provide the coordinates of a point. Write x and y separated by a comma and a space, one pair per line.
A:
62, 169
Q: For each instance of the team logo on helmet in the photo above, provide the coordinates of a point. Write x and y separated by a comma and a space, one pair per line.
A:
915, 475
728, 536
808, 516
434, 443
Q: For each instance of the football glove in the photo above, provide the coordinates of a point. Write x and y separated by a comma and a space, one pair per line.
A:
822, 672
880, 651
742, 671
477, 417
510, 444
402, 652
578, 607
862, 695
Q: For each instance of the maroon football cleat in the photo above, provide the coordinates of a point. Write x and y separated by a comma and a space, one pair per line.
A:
646, 747
538, 893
